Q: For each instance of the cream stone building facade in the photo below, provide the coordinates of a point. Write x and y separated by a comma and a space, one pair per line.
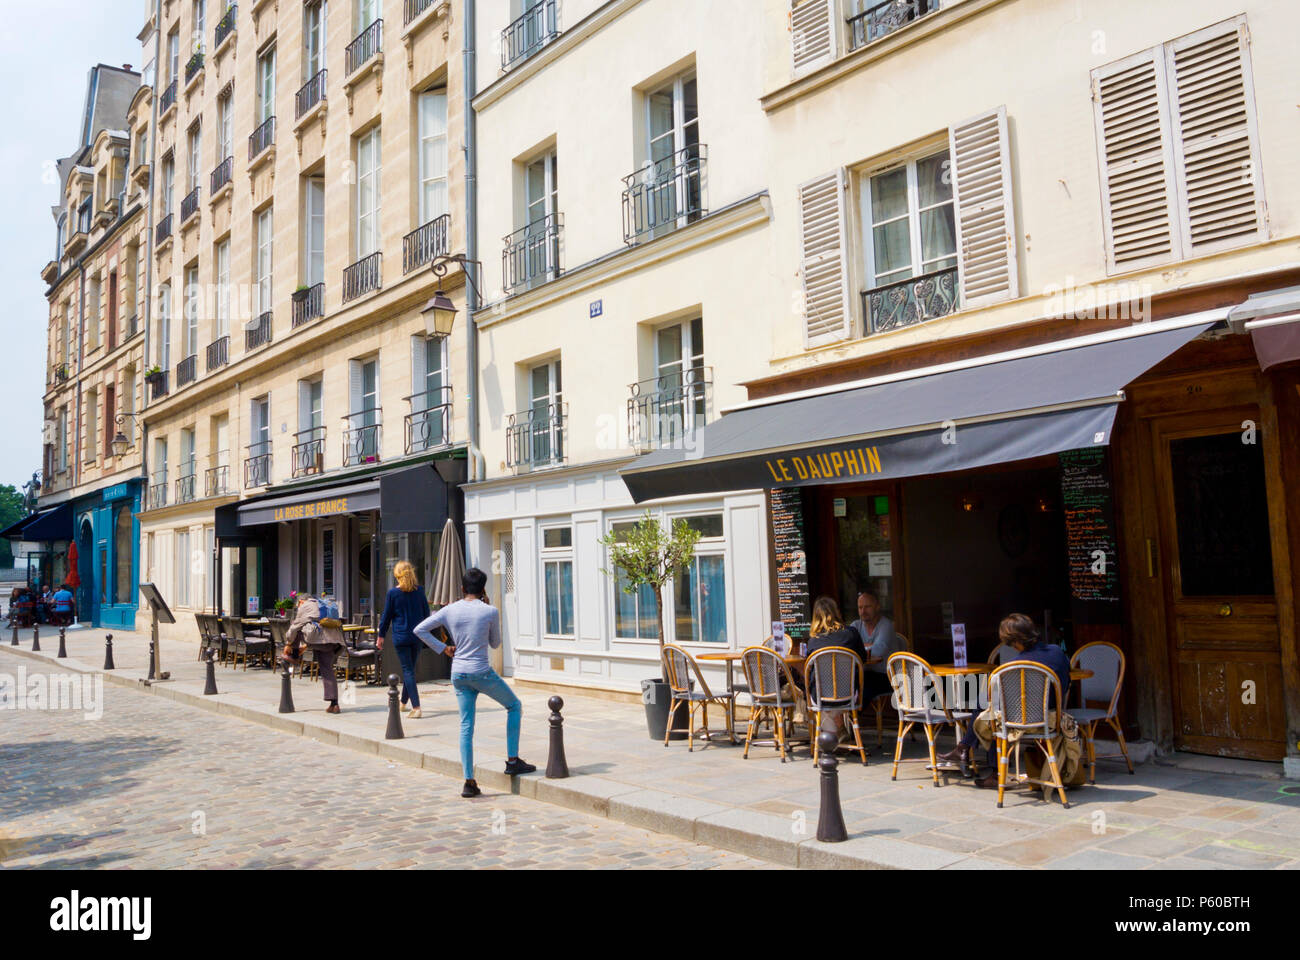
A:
308, 171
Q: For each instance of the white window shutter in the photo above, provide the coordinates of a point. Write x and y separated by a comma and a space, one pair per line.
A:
823, 259
814, 28
1138, 196
1215, 138
354, 386
419, 372
304, 405
980, 167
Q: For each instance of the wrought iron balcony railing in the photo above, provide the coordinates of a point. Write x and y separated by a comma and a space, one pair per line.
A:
216, 481
363, 276
413, 8
258, 333
261, 138
60, 372
168, 98
308, 455
910, 301
257, 465
185, 485
158, 491
535, 437
884, 18
532, 255
662, 411
312, 93
132, 327
164, 229
428, 425
422, 245
187, 371
221, 176
310, 305
226, 24
218, 353
362, 437
190, 205
158, 385
528, 34
664, 195
193, 66
368, 43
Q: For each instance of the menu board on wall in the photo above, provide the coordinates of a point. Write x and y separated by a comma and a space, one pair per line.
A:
1090, 538
794, 608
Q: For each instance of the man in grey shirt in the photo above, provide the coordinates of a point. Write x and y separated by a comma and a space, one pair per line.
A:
877, 633
475, 627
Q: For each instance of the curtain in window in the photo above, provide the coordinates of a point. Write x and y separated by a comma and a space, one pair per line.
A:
559, 598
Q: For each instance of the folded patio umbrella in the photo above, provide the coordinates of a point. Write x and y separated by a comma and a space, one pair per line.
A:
446, 587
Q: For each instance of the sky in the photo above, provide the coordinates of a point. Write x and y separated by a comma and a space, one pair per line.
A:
46, 52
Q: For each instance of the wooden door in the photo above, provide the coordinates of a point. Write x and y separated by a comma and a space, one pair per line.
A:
1216, 555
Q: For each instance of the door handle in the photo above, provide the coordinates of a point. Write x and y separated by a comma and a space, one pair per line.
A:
1225, 610
1151, 558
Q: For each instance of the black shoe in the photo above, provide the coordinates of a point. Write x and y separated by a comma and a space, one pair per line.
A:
470, 789
516, 766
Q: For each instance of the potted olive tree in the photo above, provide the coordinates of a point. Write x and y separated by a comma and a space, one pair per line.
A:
649, 555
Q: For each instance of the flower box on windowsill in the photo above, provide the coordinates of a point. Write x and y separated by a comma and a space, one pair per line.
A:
153, 377
298, 296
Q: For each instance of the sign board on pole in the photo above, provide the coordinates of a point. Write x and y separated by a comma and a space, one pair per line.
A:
959, 644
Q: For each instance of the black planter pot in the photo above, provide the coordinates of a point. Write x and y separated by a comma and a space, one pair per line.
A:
656, 696
298, 296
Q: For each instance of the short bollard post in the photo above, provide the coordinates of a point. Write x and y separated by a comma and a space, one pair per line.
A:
394, 711
830, 819
108, 652
286, 689
152, 660
210, 687
14, 641
557, 767
36, 637
63, 644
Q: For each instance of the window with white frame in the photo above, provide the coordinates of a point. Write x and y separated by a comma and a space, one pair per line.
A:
266, 86
541, 188
636, 615
429, 423
225, 125
313, 38
168, 183
700, 588
164, 345
673, 187
680, 379
557, 566
223, 289
199, 21
92, 426
433, 154
314, 231
193, 300
173, 56
910, 223
181, 565
195, 156
368, 168
546, 398
263, 265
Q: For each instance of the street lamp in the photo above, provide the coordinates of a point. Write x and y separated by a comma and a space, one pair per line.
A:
120, 443
440, 312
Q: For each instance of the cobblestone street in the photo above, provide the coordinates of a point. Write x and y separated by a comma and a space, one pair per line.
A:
161, 785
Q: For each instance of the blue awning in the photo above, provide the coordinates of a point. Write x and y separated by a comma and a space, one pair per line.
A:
49, 525
15, 530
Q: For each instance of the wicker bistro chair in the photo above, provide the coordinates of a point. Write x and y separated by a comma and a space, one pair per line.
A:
363, 662
833, 676
246, 646
881, 700
920, 700
678, 667
1106, 661
767, 676
1019, 695
204, 624
232, 631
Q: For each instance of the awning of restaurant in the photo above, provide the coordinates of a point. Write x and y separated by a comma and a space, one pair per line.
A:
1273, 321
412, 500
48, 525
959, 416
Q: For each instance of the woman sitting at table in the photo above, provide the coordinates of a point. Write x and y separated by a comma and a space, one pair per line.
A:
404, 608
828, 630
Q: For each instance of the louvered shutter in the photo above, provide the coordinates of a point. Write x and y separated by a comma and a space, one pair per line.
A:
304, 406
813, 26
419, 375
980, 158
1215, 140
824, 261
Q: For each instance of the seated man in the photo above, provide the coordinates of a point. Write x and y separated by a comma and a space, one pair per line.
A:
879, 640
64, 606
1018, 632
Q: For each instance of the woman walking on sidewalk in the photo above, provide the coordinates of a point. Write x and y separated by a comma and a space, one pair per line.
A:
405, 607
475, 627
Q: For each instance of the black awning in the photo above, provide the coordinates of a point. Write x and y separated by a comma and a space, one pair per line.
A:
946, 419
14, 530
411, 500
50, 525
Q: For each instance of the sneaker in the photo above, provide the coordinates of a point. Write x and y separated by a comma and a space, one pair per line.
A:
517, 766
415, 714
470, 789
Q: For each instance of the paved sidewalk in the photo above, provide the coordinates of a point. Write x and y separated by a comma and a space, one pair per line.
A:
1163, 817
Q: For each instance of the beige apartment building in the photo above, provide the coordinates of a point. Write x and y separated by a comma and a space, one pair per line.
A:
94, 364
303, 431
1047, 253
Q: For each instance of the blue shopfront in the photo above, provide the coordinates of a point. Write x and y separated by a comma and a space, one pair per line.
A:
108, 555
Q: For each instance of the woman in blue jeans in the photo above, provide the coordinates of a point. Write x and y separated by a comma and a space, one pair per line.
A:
475, 627
404, 608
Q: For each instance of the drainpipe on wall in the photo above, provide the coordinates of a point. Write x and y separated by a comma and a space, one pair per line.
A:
477, 463
148, 234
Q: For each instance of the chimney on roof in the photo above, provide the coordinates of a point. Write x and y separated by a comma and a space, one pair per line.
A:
126, 66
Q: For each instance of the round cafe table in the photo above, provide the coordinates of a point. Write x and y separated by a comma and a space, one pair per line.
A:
952, 670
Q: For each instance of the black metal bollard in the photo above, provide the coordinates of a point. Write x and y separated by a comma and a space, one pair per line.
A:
830, 819
108, 652
210, 687
14, 641
153, 660
63, 643
286, 690
394, 731
36, 637
557, 767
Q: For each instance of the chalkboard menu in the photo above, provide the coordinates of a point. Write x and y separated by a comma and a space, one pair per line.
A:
793, 607
1089, 526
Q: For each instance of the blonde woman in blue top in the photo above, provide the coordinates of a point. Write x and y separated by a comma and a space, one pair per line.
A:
404, 608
